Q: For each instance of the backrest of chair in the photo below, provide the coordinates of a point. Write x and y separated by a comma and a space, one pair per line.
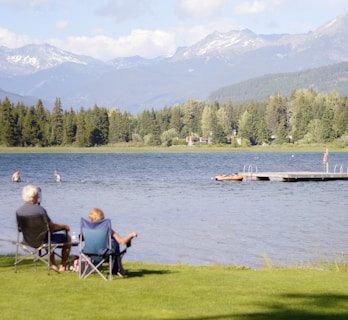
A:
96, 235
34, 229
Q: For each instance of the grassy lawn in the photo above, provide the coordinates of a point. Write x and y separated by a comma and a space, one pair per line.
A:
154, 291
134, 148
124, 148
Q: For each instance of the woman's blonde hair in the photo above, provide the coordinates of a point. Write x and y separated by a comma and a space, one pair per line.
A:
95, 215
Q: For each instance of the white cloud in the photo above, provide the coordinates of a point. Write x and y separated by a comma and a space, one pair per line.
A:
199, 8
258, 6
12, 40
148, 44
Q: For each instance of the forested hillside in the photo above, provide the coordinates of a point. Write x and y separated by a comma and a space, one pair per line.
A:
305, 116
324, 79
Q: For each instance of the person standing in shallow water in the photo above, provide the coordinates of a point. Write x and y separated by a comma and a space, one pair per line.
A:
57, 175
16, 176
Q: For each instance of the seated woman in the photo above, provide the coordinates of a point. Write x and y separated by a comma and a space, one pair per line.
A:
95, 215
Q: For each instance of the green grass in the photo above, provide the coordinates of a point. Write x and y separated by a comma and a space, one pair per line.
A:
155, 291
124, 148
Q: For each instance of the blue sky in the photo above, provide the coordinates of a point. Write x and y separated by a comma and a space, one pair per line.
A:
107, 29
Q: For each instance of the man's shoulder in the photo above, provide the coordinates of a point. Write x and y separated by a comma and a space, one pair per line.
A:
28, 209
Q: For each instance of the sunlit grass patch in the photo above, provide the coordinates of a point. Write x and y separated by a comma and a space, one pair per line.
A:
158, 291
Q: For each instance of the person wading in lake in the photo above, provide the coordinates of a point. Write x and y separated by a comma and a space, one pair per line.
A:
16, 177
57, 175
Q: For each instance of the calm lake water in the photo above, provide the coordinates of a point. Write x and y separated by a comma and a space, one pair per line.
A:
184, 216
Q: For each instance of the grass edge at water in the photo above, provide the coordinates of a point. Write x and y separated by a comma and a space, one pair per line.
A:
123, 148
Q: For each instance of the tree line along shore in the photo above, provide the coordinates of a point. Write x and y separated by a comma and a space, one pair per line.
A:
305, 118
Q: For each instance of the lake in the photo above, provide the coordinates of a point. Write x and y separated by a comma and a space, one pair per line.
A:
182, 215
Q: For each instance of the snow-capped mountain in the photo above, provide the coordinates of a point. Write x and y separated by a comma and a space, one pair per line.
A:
223, 45
135, 83
34, 57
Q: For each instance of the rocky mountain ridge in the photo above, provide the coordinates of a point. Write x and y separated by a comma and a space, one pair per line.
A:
136, 83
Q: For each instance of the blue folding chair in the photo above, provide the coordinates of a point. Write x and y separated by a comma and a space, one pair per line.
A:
95, 248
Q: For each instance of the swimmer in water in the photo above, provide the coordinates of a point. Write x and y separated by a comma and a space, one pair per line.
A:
56, 174
16, 177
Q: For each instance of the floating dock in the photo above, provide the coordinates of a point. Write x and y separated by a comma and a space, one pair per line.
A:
294, 176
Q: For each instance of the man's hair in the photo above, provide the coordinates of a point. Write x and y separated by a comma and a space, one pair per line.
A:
30, 192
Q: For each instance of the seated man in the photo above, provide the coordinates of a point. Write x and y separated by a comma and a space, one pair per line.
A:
30, 195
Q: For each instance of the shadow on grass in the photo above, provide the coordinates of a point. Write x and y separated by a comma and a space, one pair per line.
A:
8, 261
293, 307
146, 272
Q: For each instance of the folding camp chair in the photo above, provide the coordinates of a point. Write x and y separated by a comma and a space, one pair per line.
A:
95, 248
36, 240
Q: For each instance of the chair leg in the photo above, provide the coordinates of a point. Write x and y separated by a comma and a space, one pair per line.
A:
16, 259
110, 267
89, 267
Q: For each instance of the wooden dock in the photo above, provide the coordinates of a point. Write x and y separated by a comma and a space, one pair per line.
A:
294, 176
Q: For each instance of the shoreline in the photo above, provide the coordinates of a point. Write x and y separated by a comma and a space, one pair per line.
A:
266, 266
173, 149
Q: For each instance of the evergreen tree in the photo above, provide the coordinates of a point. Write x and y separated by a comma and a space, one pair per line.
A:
126, 127
100, 126
19, 115
115, 120
57, 123
69, 120
7, 125
31, 134
163, 119
274, 108
263, 133
145, 121
176, 120
156, 132
248, 125
219, 136
81, 132
327, 132
42, 117
281, 134
340, 122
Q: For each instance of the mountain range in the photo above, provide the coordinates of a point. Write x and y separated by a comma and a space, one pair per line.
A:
221, 62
